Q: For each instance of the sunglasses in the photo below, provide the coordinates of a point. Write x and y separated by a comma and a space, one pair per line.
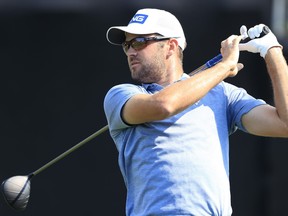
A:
139, 43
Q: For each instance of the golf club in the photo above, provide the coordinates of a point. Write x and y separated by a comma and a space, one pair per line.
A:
16, 190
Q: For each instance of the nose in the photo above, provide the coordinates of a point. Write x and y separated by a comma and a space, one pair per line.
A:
131, 51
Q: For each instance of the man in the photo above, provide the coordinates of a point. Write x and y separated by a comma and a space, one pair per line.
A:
172, 130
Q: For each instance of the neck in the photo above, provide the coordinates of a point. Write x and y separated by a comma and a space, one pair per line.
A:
175, 77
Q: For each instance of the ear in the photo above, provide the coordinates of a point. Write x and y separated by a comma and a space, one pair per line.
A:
173, 46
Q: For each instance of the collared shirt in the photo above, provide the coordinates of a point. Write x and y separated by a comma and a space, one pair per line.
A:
179, 165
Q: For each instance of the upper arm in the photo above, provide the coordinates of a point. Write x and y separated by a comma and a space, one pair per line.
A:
263, 120
129, 104
142, 108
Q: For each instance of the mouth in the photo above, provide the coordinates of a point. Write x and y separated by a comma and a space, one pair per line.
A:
134, 63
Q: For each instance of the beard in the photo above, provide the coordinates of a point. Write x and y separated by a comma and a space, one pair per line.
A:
149, 70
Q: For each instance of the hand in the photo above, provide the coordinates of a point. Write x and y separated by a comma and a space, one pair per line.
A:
230, 54
258, 44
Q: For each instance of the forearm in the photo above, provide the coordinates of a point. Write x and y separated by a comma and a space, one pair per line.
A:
278, 72
181, 95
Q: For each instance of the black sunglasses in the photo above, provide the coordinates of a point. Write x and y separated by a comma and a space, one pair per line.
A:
139, 43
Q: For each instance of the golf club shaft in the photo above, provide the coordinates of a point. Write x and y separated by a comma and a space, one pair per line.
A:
208, 64
100, 131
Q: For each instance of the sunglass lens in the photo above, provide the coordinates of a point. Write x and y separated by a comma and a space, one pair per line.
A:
138, 43
125, 46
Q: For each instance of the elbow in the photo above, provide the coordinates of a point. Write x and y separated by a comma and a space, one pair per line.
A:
283, 124
285, 129
282, 130
165, 110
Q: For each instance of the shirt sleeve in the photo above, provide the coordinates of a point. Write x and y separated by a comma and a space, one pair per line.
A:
239, 103
114, 101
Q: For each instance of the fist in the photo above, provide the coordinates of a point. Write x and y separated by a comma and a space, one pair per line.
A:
261, 39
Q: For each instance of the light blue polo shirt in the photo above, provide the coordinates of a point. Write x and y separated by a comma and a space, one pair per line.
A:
180, 165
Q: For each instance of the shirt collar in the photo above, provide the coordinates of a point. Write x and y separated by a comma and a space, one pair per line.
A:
153, 87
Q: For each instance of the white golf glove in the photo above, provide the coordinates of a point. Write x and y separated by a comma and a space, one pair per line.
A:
258, 44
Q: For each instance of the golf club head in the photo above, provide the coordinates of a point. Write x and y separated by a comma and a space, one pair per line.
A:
16, 191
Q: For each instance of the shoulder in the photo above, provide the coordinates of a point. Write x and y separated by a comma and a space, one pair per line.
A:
229, 88
121, 92
125, 88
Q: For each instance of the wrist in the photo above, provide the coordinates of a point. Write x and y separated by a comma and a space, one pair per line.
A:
271, 42
225, 68
274, 51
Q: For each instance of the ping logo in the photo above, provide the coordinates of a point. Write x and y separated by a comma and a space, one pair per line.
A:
139, 18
